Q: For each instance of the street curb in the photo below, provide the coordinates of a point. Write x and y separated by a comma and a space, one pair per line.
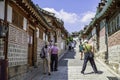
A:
108, 68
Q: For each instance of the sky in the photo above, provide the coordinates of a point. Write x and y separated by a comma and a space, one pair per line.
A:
74, 13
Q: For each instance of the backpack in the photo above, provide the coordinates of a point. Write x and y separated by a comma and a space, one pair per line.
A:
42, 53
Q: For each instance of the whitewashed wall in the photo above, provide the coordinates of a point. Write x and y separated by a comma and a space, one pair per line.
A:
9, 14
1, 9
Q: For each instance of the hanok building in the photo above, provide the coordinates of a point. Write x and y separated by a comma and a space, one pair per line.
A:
58, 33
104, 31
28, 30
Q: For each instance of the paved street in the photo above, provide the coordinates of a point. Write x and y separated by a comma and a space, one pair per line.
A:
69, 69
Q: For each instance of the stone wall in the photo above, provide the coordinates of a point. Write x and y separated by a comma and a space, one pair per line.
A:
61, 45
40, 44
114, 51
17, 52
102, 46
1, 49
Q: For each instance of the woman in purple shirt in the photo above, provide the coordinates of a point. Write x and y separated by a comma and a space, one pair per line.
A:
54, 58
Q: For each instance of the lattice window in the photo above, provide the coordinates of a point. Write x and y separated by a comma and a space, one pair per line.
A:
114, 25
17, 19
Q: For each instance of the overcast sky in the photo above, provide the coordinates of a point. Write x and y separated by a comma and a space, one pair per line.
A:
75, 13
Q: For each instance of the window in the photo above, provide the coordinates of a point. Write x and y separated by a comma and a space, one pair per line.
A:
38, 33
17, 19
114, 25
44, 36
25, 24
94, 31
102, 24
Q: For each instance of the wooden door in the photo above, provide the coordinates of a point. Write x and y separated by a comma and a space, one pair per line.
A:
31, 47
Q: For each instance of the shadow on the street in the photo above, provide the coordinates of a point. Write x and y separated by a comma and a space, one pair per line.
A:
70, 54
112, 78
99, 72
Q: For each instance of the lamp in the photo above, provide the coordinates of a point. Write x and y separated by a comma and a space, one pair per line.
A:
3, 30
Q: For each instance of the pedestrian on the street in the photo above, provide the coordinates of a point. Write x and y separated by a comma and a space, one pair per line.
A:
81, 50
88, 56
46, 60
74, 43
54, 58
70, 46
50, 46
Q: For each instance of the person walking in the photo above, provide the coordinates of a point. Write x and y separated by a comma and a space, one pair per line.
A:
88, 56
54, 58
81, 50
46, 60
70, 46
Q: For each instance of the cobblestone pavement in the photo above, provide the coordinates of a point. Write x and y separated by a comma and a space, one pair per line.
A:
70, 66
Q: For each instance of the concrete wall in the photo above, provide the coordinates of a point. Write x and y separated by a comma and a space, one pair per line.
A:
2, 9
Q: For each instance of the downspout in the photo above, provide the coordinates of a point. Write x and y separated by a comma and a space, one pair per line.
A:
5, 73
106, 42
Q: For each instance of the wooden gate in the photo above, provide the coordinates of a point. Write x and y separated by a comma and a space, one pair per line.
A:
31, 47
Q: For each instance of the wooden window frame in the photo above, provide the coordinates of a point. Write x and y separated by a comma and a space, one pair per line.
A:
17, 19
114, 24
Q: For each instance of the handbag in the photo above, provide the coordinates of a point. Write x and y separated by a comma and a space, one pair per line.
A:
89, 52
42, 53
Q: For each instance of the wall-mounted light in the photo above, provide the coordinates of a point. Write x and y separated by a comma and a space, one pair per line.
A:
3, 30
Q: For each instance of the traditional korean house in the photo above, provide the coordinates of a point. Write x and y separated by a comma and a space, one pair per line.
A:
107, 23
57, 32
26, 35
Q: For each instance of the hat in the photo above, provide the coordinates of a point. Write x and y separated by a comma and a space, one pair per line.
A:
85, 41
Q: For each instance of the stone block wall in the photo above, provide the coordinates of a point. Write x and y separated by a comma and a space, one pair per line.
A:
40, 44
61, 46
17, 52
1, 49
114, 51
102, 45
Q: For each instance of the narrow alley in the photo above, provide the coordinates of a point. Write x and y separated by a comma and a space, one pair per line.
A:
70, 67
31, 28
